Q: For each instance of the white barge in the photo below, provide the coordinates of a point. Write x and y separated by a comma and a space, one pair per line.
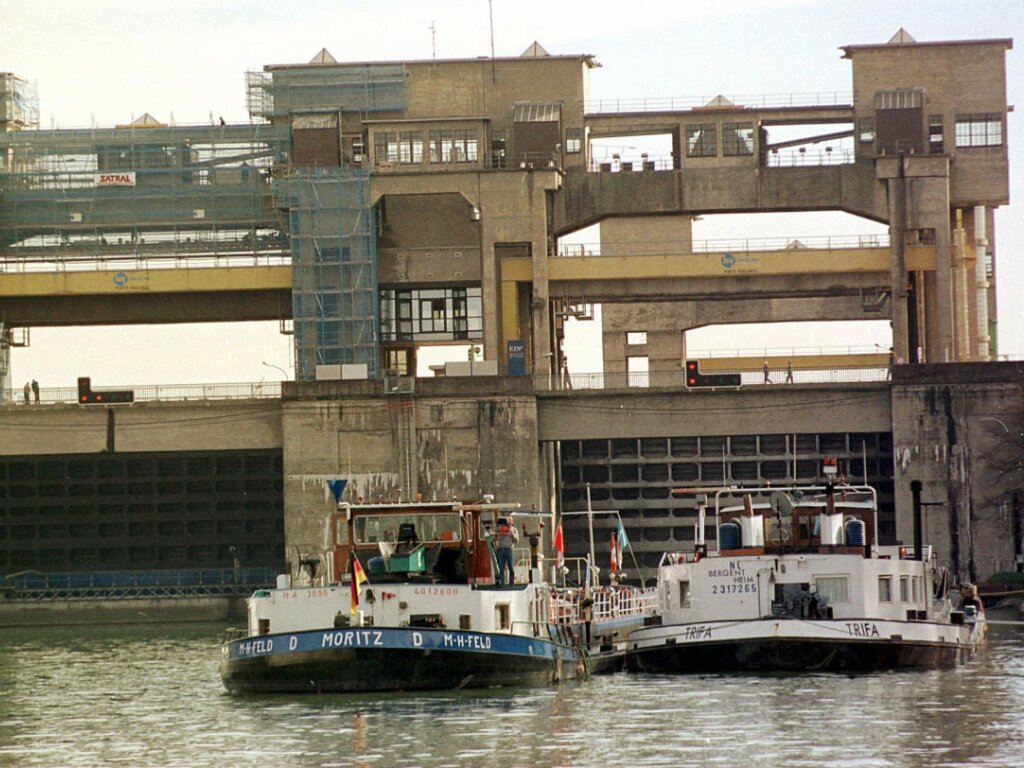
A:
800, 583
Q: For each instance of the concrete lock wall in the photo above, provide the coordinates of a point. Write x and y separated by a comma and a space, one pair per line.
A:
452, 439
141, 427
957, 429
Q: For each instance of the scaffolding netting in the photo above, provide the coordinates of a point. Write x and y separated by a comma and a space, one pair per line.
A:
343, 87
334, 270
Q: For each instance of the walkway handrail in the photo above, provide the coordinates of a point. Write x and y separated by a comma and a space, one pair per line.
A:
740, 101
743, 245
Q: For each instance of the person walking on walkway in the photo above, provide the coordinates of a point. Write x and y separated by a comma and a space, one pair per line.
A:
767, 371
28, 391
35, 391
789, 371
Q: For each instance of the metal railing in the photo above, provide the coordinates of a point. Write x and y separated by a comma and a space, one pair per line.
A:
96, 262
745, 244
801, 157
263, 390
128, 585
632, 163
742, 101
609, 603
676, 379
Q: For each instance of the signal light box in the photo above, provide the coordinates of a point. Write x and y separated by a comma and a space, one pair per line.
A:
86, 395
695, 379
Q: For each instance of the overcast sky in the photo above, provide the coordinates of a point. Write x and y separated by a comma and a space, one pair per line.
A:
104, 61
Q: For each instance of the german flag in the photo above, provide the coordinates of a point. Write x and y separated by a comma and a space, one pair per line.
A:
358, 577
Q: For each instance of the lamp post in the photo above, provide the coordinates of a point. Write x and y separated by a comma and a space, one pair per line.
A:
278, 367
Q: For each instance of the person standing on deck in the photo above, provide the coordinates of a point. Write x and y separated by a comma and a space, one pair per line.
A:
505, 543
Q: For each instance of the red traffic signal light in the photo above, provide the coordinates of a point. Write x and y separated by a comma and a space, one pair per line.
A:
694, 378
86, 396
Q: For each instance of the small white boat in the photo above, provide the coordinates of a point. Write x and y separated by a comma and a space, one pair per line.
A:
800, 583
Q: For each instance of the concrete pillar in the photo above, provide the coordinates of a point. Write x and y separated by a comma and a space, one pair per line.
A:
897, 193
540, 300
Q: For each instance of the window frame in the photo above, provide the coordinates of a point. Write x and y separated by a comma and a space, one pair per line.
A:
573, 141
738, 139
887, 581
701, 139
828, 582
385, 147
979, 129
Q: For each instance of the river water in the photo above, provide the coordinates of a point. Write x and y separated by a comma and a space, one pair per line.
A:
151, 696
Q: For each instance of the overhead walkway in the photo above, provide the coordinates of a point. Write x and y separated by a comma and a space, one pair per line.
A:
754, 275
251, 287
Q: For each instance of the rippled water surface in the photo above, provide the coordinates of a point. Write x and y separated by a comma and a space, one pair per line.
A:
148, 696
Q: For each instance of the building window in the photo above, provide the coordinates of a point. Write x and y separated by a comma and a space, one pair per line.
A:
410, 147
865, 130
833, 588
453, 146
885, 589
702, 140
499, 149
737, 139
981, 130
385, 147
899, 98
935, 142
636, 337
464, 149
440, 146
573, 140
431, 314
904, 589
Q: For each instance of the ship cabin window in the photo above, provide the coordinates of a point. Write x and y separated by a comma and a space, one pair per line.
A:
885, 589
904, 589
915, 587
502, 616
684, 594
372, 529
833, 588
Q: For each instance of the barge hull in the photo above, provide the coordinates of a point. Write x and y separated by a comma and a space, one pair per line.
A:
349, 670
796, 655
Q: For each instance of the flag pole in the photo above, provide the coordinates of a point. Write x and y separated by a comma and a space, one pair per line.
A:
590, 529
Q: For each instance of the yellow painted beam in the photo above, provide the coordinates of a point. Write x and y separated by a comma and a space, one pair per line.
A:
777, 363
113, 282
724, 265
